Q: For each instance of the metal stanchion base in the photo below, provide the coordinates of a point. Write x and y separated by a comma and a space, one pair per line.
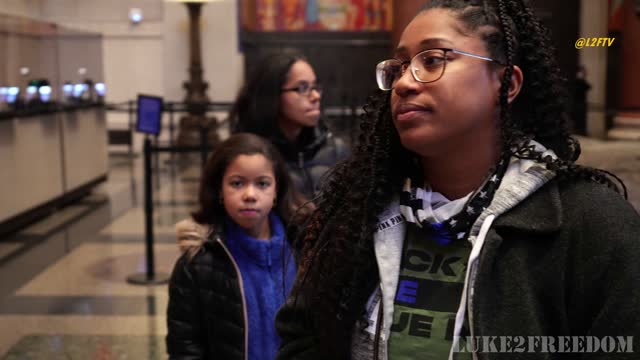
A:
143, 279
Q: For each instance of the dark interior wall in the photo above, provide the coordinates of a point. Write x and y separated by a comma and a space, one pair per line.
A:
345, 61
615, 75
562, 18
403, 12
630, 78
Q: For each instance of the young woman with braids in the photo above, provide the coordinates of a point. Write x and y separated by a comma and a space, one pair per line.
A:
462, 212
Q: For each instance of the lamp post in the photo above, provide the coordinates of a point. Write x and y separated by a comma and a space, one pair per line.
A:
195, 122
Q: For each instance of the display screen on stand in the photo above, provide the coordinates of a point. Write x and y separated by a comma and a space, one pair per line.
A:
149, 117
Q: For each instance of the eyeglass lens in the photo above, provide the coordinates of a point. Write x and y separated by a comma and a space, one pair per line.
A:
305, 88
426, 66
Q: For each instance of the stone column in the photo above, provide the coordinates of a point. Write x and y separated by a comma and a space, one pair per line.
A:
630, 95
594, 18
626, 123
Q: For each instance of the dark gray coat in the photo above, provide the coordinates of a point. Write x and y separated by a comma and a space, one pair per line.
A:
316, 151
565, 261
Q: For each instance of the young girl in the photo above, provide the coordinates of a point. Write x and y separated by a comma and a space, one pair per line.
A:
462, 215
281, 102
236, 269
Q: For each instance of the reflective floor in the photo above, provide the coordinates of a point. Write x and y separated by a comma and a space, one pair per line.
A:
63, 289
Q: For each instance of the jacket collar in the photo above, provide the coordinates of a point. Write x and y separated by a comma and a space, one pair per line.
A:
311, 139
527, 200
539, 213
529, 215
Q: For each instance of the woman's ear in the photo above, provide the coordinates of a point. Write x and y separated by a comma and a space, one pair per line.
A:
515, 85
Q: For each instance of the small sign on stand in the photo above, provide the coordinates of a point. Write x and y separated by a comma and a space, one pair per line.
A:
149, 122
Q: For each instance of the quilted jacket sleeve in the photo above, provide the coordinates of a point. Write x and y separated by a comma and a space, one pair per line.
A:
186, 334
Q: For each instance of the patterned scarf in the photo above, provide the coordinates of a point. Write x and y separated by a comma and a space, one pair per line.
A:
456, 227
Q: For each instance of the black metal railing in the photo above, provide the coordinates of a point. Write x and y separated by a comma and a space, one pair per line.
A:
170, 108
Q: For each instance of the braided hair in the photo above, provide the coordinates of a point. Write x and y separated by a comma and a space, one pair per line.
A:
338, 270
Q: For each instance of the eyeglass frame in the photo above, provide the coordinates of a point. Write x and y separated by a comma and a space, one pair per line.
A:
403, 68
309, 88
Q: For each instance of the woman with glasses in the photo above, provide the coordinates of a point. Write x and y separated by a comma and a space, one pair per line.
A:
281, 102
462, 216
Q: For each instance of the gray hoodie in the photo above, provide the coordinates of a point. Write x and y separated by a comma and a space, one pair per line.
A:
522, 178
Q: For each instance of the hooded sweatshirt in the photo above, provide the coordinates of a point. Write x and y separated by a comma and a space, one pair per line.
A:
522, 178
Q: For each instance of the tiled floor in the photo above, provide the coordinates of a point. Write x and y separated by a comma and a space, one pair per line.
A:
63, 289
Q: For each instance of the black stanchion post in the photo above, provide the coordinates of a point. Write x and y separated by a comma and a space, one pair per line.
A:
148, 208
156, 160
149, 277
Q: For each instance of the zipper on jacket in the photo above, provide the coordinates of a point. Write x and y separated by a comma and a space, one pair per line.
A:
376, 339
468, 292
244, 303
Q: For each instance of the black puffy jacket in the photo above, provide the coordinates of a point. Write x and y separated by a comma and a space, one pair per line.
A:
209, 280
315, 152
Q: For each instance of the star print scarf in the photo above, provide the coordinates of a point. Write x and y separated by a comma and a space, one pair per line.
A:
457, 226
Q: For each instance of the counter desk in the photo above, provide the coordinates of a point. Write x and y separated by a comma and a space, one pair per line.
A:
49, 157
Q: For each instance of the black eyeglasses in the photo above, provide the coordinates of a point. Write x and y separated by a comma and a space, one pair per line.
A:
426, 66
304, 88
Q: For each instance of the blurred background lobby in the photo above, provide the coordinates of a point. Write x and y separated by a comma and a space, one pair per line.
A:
73, 224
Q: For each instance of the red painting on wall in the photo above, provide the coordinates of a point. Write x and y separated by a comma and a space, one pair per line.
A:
322, 15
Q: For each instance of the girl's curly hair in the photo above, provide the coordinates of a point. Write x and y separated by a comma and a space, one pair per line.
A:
338, 270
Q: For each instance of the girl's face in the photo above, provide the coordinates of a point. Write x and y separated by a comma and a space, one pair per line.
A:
459, 109
249, 192
300, 109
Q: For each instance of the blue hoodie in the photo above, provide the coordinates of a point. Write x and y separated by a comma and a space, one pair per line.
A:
261, 264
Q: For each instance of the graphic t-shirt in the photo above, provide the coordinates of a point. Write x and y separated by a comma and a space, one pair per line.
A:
428, 294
